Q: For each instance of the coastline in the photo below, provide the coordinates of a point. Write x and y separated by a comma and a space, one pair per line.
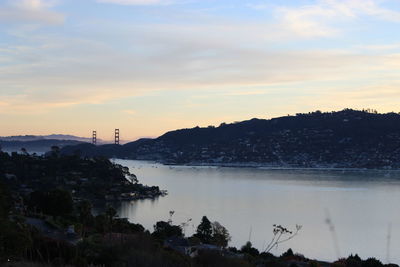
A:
247, 165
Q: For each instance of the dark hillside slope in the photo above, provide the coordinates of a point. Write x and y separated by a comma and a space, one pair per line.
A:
348, 138
344, 123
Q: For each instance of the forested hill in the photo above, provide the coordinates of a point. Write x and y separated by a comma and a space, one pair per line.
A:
348, 138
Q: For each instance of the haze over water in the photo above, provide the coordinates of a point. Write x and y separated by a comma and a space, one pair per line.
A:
362, 205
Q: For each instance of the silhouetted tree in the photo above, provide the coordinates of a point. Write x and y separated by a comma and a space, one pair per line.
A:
220, 235
164, 230
372, 262
24, 151
204, 230
353, 261
248, 249
288, 253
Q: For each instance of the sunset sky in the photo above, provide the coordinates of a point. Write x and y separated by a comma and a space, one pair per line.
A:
149, 66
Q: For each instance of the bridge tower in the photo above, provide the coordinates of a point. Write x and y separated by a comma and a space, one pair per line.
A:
116, 137
94, 138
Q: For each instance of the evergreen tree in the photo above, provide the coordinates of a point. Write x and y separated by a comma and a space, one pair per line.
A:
204, 230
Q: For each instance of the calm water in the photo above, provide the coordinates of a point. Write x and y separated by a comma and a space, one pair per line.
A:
362, 205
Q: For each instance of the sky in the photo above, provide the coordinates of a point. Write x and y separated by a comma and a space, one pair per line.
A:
150, 66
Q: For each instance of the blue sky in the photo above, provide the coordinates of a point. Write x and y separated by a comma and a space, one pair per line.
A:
149, 66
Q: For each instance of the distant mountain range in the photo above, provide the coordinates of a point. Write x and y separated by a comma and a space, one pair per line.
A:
343, 139
42, 137
39, 143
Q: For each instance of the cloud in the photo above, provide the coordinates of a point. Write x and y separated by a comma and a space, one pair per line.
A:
378, 95
30, 11
117, 60
245, 93
130, 111
307, 21
379, 47
43, 100
138, 2
321, 18
354, 8
67, 73
31, 4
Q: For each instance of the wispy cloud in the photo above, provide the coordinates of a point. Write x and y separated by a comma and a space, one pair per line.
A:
377, 94
354, 8
109, 59
245, 93
379, 47
30, 11
32, 4
319, 19
46, 100
130, 111
60, 72
307, 21
139, 2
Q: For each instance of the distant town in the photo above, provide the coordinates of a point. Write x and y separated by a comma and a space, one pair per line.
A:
343, 139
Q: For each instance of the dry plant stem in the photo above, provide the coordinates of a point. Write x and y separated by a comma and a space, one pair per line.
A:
277, 236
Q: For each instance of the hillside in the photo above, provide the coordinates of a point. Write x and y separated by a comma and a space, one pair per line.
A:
39, 145
343, 139
26, 138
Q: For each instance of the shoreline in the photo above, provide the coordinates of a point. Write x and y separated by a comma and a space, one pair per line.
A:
264, 166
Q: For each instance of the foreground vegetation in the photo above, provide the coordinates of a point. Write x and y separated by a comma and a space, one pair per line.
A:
85, 178
46, 219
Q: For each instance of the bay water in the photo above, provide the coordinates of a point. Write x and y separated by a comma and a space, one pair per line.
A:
342, 212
